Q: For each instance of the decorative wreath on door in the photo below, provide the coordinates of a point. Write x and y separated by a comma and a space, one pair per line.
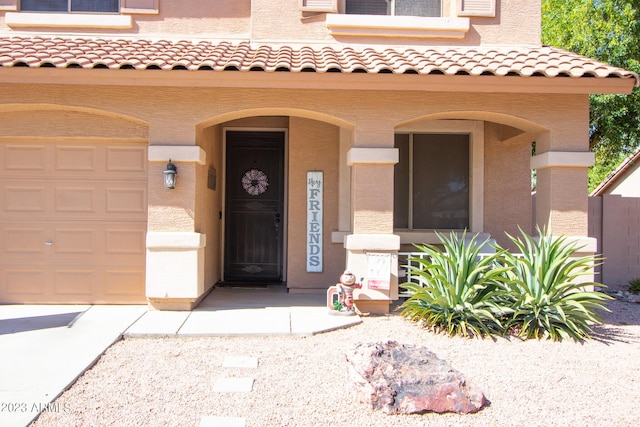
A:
255, 182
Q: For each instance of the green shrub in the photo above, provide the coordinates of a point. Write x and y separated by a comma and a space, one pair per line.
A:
546, 301
457, 292
634, 286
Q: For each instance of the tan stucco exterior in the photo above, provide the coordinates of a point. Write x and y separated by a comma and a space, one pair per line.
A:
260, 20
341, 124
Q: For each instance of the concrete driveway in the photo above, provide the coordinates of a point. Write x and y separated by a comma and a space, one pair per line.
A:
44, 348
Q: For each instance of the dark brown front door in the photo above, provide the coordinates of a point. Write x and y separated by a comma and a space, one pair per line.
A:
254, 206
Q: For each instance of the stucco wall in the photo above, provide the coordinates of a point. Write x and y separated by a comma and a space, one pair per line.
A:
179, 116
516, 22
194, 18
209, 202
507, 196
173, 113
54, 119
313, 145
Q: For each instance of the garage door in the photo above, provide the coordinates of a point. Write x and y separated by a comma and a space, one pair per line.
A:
73, 221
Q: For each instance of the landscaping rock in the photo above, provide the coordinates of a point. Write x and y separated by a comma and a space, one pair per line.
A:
626, 296
407, 379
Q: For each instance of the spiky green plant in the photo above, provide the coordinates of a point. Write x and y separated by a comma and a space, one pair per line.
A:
545, 295
457, 291
634, 285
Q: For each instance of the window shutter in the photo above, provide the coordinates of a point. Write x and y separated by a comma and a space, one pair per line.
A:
139, 6
318, 5
485, 8
8, 4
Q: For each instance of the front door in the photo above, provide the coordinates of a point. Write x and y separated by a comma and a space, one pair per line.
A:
254, 206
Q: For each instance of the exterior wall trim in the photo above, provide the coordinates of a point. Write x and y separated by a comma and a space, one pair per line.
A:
358, 81
397, 26
68, 20
178, 153
372, 156
372, 242
175, 240
579, 159
584, 244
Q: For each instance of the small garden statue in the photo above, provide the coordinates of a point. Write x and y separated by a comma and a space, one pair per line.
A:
340, 296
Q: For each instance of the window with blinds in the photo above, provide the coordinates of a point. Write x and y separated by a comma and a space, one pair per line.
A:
394, 7
101, 6
83, 6
432, 182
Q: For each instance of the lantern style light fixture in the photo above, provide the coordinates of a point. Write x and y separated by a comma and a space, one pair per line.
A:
170, 176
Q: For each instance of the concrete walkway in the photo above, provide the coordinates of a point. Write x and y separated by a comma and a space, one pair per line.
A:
45, 348
245, 312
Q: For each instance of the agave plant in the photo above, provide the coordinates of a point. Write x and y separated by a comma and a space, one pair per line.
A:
457, 290
546, 297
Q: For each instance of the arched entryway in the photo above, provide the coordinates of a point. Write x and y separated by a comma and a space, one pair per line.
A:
261, 238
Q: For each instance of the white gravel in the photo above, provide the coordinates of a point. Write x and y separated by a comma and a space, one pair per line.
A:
303, 381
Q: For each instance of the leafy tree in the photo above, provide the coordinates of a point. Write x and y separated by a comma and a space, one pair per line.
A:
607, 30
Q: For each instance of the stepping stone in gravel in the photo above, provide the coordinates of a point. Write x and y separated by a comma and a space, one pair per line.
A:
240, 362
210, 421
233, 385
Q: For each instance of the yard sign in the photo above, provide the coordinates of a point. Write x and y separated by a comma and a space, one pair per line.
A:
379, 271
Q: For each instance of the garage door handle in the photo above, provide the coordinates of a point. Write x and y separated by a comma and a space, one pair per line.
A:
48, 243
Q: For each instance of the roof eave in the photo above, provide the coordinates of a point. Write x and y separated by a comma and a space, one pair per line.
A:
319, 80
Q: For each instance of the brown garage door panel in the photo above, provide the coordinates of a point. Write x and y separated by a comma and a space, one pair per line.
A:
73, 220
72, 284
73, 160
124, 284
94, 200
109, 241
22, 280
100, 284
23, 239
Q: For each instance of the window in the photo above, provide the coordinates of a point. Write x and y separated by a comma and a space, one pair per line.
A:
432, 181
394, 7
89, 6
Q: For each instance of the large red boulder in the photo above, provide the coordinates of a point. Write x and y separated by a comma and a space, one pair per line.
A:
407, 379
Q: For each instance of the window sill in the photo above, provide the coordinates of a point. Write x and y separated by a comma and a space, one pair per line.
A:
68, 20
397, 26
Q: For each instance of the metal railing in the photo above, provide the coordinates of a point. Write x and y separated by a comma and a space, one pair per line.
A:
404, 260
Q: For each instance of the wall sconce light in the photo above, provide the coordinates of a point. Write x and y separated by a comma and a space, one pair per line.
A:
170, 176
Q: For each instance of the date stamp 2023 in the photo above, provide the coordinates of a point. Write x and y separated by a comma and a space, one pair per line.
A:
17, 407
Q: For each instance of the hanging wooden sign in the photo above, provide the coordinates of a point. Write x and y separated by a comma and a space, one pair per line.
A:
314, 221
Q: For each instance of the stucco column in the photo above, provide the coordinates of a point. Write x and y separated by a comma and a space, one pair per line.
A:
562, 203
372, 224
175, 251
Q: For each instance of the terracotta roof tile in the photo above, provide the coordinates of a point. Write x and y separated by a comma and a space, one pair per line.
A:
163, 54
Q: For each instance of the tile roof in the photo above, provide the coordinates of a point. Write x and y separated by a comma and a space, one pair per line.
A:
85, 53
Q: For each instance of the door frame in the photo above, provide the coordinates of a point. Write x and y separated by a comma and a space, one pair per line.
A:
285, 208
